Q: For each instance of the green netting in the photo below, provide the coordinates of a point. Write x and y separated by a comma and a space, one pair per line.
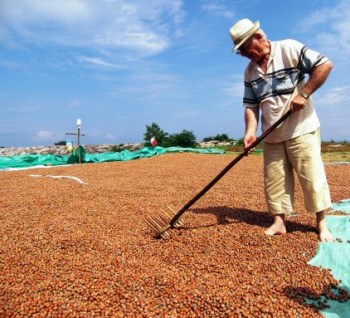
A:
78, 155
26, 161
336, 257
342, 205
32, 160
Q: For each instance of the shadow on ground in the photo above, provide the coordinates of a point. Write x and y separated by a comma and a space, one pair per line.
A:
226, 215
333, 299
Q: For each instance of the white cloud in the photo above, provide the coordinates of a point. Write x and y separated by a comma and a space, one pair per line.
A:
8, 64
186, 113
75, 103
333, 21
25, 109
144, 26
110, 137
234, 90
62, 12
334, 96
44, 135
218, 9
98, 62
150, 86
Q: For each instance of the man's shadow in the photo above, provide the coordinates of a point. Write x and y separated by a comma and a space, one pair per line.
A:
226, 215
321, 301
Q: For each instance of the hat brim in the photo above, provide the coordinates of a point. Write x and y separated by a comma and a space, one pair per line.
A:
245, 37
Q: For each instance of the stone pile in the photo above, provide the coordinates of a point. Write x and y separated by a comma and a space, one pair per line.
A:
214, 143
62, 150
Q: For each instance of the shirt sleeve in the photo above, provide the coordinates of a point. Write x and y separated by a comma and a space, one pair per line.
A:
249, 97
308, 59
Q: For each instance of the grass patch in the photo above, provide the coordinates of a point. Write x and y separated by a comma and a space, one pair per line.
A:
336, 156
329, 154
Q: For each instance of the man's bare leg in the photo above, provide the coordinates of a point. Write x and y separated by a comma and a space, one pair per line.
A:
324, 233
278, 227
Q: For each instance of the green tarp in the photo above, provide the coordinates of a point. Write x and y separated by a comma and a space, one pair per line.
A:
31, 160
336, 257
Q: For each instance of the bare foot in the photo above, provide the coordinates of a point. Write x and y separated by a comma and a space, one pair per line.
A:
278, 227
324, 234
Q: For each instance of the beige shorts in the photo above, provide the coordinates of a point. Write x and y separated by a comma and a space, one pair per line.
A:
302, 155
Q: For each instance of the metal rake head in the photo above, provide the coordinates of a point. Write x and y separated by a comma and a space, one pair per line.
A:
162, 223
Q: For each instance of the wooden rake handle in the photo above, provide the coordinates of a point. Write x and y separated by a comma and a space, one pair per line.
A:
227, 168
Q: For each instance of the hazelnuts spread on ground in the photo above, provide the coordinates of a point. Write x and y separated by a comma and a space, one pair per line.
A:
83, 250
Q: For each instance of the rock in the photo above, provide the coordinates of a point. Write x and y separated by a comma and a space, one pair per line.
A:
214, 144
62, 150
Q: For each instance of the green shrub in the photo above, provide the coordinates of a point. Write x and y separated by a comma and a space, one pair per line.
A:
185, 139
117, 148
218, 137
60, 143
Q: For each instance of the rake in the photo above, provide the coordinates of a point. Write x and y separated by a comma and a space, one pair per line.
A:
162, 223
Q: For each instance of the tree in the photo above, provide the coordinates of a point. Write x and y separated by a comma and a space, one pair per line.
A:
185, 139
240, 142
60, 143
155, 131
218, 137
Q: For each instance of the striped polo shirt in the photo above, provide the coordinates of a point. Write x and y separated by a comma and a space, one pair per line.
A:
288, 66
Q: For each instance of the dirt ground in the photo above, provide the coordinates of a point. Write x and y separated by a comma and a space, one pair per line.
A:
71, 249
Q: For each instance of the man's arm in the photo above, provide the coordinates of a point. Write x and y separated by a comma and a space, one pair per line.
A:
318, 76
251, 125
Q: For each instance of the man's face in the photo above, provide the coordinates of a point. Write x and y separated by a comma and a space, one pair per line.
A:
245, 47
252, 49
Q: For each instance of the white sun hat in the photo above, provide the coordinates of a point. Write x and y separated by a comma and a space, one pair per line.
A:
242, 31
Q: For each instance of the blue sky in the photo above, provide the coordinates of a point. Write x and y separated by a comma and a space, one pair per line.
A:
120, 65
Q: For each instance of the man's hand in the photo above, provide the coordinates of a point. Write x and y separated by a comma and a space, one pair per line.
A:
248, 140
298, 103
251, 121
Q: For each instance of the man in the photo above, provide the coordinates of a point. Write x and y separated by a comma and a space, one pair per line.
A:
276, 80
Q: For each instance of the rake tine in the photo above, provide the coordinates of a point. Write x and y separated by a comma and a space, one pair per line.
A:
151, 224
160, 222
164, 232
153, 228
160, 225
165, 235
167, 216
164, 217
160, 229
173, 213
156, 225
171, 209
164, 225
178, 222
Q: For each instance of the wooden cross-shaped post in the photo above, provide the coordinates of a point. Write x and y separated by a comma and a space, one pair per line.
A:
78, 134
